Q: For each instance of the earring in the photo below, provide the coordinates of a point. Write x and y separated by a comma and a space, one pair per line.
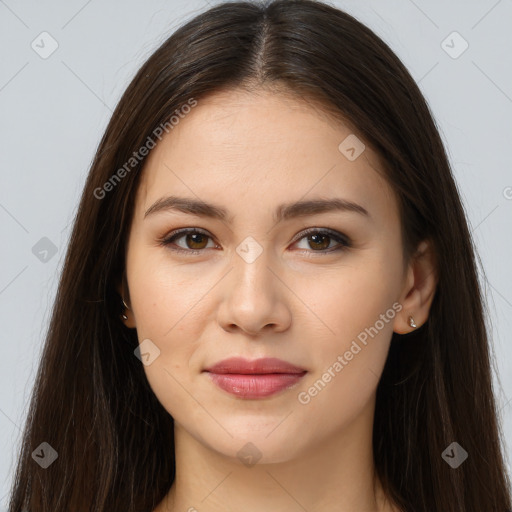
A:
123, 316
412, 323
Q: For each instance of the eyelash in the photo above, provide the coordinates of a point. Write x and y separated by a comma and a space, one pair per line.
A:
342, 239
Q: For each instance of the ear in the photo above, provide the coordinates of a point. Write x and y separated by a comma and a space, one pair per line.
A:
419, 288
122, 289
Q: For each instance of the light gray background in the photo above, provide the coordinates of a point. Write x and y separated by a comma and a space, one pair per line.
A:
54, 111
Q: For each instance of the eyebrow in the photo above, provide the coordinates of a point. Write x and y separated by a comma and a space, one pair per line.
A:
284, 211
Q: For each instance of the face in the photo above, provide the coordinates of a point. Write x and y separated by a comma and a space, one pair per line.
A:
316, 287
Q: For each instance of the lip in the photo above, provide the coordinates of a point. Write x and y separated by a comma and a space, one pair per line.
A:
254, 366
258, 378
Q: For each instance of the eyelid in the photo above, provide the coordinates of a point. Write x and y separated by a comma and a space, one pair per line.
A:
339, 237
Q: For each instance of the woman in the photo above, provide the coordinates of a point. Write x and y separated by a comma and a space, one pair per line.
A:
201, 356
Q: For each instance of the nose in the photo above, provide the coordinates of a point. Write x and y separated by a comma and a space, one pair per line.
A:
254, 297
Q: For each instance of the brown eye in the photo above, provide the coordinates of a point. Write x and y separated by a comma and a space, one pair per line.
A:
195, 241
319, 241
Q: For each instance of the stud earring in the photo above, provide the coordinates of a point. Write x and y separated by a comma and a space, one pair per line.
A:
412, 323
123, 316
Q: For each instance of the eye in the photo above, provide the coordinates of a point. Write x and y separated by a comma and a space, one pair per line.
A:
320, 240
196, 240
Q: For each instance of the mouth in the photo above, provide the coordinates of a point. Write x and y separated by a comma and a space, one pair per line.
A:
254, 379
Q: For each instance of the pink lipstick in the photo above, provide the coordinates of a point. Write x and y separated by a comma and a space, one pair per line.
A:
258, 378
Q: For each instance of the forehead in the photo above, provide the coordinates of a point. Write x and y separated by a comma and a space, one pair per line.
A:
256, 149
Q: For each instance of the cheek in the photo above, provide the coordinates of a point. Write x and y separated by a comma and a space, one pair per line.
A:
358, 313
166, 297
352, 298
348, 369
167, 306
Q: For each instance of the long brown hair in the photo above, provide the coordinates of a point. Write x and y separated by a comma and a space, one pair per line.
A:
91, 400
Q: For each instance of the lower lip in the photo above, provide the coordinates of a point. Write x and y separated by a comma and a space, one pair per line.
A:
255, 386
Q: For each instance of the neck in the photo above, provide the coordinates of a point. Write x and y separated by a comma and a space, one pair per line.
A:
336, 474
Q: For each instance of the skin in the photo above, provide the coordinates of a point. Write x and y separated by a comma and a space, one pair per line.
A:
248, 152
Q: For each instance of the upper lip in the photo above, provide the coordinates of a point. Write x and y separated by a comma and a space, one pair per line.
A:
256, 366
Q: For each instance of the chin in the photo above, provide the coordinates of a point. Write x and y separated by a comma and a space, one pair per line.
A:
251, 447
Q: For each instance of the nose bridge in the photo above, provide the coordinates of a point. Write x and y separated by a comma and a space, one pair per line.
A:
253, 300
252, 277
